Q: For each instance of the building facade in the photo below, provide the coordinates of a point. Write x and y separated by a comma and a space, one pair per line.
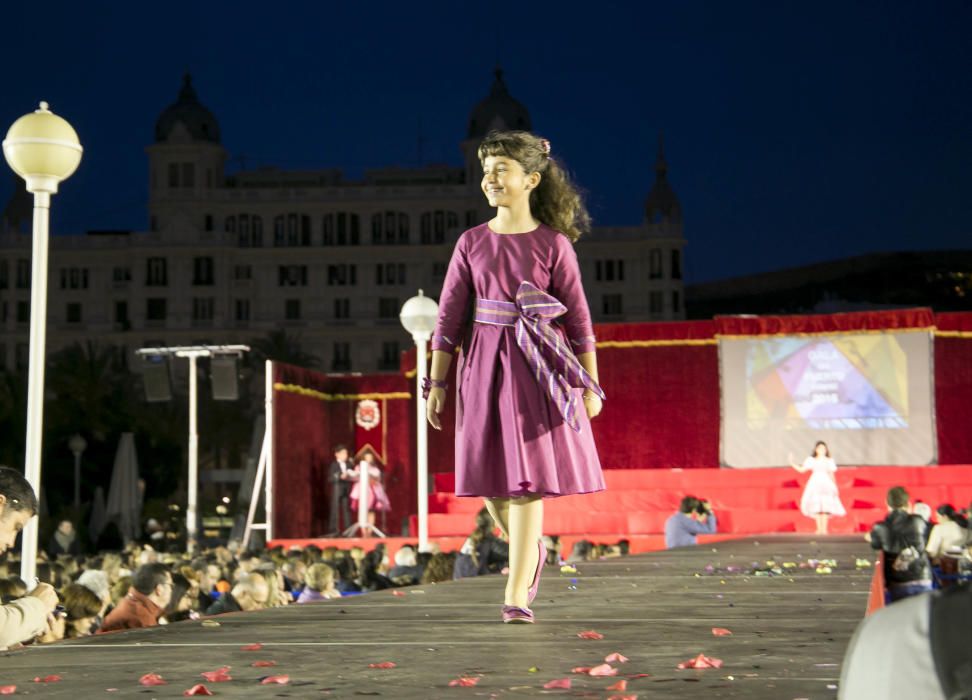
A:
228, 258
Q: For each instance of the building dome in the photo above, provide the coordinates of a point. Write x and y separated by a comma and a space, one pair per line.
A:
198, 121
498, 111
662, 204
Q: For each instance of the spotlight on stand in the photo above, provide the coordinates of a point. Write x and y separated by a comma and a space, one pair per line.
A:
224, 376
156, 378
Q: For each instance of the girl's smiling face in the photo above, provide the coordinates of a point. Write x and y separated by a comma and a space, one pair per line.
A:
504, 181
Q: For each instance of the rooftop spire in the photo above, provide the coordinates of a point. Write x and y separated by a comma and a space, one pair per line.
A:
661, 167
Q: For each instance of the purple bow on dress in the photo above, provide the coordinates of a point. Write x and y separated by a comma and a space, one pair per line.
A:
554, 364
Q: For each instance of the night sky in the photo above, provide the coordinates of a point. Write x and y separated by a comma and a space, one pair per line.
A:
795, 132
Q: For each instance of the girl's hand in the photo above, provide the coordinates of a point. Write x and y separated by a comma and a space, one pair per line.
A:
593, 404
434, 406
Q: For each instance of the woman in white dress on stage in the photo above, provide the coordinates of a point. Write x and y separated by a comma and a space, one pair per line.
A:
820, 496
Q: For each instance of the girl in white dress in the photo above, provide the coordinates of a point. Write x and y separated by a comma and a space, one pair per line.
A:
820, 496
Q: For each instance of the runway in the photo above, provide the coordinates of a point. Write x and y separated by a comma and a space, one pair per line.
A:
790, 620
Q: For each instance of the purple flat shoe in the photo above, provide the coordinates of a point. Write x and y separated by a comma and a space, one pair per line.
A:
535, 588
515, 615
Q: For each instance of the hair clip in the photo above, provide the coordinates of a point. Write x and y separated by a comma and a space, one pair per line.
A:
545, 146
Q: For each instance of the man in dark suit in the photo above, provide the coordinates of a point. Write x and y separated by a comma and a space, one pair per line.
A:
339, 477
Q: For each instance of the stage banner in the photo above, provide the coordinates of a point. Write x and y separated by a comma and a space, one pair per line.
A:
869, 394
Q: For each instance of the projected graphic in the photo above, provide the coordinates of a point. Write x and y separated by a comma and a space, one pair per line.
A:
838, 383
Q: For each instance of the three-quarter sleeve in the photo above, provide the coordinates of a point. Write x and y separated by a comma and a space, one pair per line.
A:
566, 285
453, 301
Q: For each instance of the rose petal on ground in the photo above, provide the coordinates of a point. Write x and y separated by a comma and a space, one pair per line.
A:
198, 689
620, 685
463, 682
721, 632
632, 696
701, 661
639, 675
590, 634
581, 669
280, 680
398, 594
8, 689
220, 675
47, 679
263, 664
603, 670
616, 658
252, 647
558, 683
152, 679
383, 664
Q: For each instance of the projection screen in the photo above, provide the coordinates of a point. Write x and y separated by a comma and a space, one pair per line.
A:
868, 395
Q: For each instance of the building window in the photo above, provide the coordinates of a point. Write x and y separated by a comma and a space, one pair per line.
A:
4, 272
676, 302
291, 230
73, 312
292, 309
156, 274
121, 316
155, 309
390, 273
434, 224
203, 308
341, 275
655, 264
656, 301
256, 235
74, 278
22, 356
341, 228
242, 310
23, 274
121, 276
208, 222
439, 271
342, 308
388, 307
609, 270
611, 305
242, 272
173, 174
23, 312
202, 271
389, 228
292, 275
676, 264
390, 356
188, 175
341, 357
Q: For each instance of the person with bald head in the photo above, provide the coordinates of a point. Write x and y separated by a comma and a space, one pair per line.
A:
251, 592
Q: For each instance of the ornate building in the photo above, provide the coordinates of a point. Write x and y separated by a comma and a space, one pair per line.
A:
228, 258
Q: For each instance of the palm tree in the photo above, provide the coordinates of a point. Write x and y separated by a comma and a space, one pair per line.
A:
279, 346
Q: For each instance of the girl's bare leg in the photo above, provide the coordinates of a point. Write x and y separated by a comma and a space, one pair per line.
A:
525, 528
499, 509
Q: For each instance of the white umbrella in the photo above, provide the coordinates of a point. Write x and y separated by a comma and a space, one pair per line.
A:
98, 518
123, 506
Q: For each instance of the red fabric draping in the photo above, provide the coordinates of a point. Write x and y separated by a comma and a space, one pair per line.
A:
825, 323
954, 321
953, 398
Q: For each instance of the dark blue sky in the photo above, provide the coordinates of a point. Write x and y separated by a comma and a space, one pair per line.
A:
794, 132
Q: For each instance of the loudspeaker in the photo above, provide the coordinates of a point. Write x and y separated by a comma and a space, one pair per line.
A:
224, 376
156, 379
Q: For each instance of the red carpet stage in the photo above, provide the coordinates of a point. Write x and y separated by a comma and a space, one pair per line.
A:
658, 437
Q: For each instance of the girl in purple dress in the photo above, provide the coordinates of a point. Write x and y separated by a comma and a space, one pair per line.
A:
512, 299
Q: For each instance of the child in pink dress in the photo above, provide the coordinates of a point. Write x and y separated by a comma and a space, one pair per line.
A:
527, 374
820, 496
375, 498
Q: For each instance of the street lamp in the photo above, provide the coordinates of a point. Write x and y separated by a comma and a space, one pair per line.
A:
77, 445
43, 149
418, 316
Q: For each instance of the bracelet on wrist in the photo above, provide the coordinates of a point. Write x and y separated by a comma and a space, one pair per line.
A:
428, 384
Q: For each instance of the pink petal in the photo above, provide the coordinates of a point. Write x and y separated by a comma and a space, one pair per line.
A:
152, 679
616, 658
218, 676
701, 661
558, 683
603, 670
252, 647
383, 664
632, 696
463, 682
263, 664
721, 632
8, 689
198, 689
620, 685
590, 634
581, 669
47, 679
270, 680
398, 594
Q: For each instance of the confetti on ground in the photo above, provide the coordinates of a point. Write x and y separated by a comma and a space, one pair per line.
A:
463, 682
383, 664
252, 647
8, 689
533, 669
279, 680
220, 675
210, 623
152, 679
47, 679
590, 634
721, 632
568, 569
198, 689
581, 669
263, 664
620, 685
398, 594
616, 658
603, 670
701, 661
558, 683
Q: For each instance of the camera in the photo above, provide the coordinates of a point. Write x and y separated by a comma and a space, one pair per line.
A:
700, 508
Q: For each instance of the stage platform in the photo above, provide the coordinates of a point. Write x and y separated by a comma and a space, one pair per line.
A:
789, 633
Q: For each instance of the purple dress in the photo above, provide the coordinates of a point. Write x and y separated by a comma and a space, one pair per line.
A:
512, 438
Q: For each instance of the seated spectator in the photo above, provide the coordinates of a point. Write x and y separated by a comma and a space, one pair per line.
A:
406, 570
949, 534
917, 648
293, 571
694, 517
83, 606
583, 551
482, 552
902, 536
181, 603
26, 617
64, 541
251, 592
145, 601
318, 584
439, 569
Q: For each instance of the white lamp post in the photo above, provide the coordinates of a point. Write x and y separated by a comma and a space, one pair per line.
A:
77, 445
418, 316
43, 149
